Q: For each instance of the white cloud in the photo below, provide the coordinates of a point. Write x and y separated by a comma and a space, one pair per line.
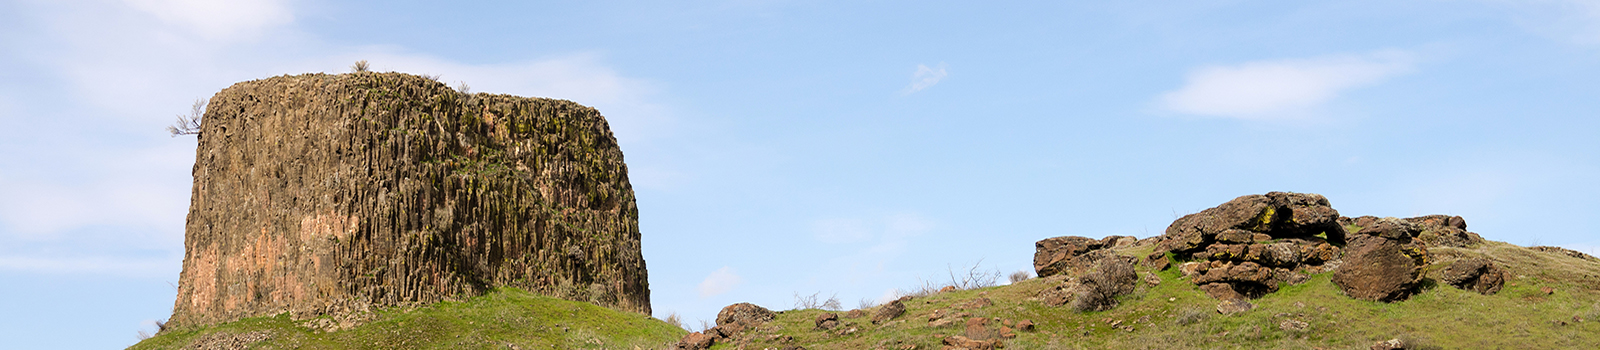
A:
720, 281
925, 77
218, 19
1278, 89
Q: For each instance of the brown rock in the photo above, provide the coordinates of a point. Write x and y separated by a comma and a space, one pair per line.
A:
696, 341
1378, 268
857, 313
1391, 344
827, 320
947, 289
1060, 255
1276, 214
978, 329
888, 312
319, 193
744, 314
1025, 325
1234, 306
1474, 274
1443, 230
956, 342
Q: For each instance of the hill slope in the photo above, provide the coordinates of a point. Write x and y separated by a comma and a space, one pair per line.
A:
506, 318
1551, 300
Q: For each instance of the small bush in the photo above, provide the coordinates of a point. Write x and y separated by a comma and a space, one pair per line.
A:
974, 278
674, 320
866, 303
464, 88
1191, 316
1020, 275
359, 67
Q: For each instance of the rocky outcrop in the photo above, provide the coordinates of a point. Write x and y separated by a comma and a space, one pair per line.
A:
1444, 231
1072, 255
1475, 274
1381, 263
732, 322
319, 193
1246, 247
1303, 217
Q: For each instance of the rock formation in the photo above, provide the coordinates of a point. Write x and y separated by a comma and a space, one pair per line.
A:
316, 194
1475, 274
1249, 245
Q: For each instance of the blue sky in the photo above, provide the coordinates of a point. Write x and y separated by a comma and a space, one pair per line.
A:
783, 147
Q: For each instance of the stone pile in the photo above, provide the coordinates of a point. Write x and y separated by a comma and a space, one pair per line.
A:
1245, 248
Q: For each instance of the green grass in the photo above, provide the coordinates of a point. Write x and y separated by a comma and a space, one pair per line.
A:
1441, 316
507, 318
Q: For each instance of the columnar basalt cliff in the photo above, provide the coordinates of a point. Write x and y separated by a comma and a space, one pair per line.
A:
318, 194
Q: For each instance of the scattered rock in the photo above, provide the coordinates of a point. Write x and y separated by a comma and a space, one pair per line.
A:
227, 341
889, 311
857, 313
1547, 290
1381, 264
1293, 325
978, 329
1027, 325
1152, 280
744, 313
1391, 344
947, 289
956, 342
1475, 274
1445, 231
1564, 251
1234, 306
827, 320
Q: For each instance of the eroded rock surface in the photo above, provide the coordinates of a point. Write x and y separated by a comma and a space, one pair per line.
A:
1381, 263
317, 193
1245, 247
1475, 274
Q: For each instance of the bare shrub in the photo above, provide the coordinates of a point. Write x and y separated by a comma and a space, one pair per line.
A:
704, 325
433, 77
359, 67
464, 88
973, 278
1020, 275
866, 303
814, 301
674, 320
189, 124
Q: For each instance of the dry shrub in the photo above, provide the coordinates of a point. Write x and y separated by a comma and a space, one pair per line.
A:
1020, 275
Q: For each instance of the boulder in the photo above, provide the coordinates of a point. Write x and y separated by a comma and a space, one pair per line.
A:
1070, 254
889, 312
1474, 274
696, 341
744, 314
827, 320
1381, 264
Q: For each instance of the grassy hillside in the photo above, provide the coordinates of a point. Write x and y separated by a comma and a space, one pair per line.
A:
507, 318
1175, 314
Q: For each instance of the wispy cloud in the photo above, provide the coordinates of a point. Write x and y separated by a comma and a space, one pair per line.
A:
925, 77
1573, 20
1278, 89
718, 282
218, 19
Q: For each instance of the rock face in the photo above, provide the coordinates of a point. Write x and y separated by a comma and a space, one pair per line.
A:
320, 193
1381, 263
1070, 254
